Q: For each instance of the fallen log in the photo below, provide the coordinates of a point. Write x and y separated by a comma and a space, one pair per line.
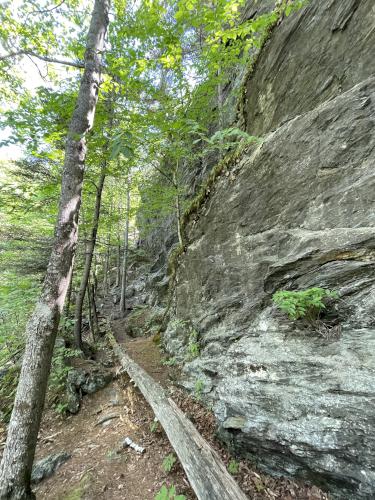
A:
206, 472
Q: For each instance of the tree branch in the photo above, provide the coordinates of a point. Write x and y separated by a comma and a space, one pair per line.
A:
47, 10
42, 58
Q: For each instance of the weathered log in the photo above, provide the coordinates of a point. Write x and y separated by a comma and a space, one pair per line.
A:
206, 472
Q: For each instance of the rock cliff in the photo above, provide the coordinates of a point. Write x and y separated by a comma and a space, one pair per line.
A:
294, 212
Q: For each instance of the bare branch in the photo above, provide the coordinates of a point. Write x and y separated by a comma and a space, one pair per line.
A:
47, 10
164, 174
42, 58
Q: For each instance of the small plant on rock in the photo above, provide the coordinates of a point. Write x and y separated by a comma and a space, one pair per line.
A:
169, 362
193, 348
198, 389
306, 304
168, 462
303, 304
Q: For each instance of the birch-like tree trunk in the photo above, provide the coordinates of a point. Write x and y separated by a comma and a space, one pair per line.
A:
16, 465
125, 257
88, 260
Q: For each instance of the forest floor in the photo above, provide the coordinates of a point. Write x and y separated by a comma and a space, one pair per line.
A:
100, 468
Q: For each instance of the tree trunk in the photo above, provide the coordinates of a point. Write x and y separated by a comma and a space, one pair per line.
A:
91, 326
125, 257
68, 298
118, 265
178, 206
94, 310
106, 280
118, 256
88, 260
16, 465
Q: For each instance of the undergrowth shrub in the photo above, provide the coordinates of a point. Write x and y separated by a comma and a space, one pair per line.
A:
58, 377
307, 305
168, 493
303, 304
168, 462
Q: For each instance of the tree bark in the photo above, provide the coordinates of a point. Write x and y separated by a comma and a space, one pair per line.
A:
125, 256
88, 260
118, 254
68, 298
178, 205
94, 310
106, 266
118, 265
16, 465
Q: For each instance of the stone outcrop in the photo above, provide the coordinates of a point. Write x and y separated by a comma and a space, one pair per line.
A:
87, 378
47, 466
295, 212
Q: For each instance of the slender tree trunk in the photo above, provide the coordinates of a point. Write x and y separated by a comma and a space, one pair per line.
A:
16, 465
178, 206
125, 257
106, 268
68, 298
118, 257
88, 260
94, 309
118, 265
94, 276
91, 326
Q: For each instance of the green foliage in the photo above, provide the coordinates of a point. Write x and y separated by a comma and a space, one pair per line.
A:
170, 362
154, 426
8, 385
168, 493
233, 467
303, 304
61, 408
168, 462
193, 347
290, 7
58, 376
198, 389
229, 138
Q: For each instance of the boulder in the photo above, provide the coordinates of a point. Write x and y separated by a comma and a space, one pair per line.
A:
47, 466
84, 380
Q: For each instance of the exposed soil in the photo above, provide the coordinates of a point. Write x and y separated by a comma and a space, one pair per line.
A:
100, 468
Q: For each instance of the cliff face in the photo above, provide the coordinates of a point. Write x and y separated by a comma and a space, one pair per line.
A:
295, 212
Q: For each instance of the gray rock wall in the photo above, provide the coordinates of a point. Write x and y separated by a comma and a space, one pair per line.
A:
313, 55
296, 212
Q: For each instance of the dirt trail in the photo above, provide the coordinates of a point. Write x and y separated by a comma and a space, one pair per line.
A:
97, 470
